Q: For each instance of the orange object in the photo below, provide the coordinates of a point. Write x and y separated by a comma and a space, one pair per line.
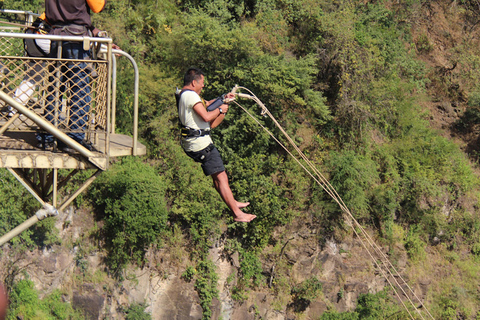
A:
96, 5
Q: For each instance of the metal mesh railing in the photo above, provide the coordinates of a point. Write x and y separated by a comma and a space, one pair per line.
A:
70, 94
12, 47
14, 21
63, 96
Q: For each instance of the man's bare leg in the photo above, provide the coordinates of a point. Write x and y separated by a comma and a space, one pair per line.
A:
220, 181
240, 205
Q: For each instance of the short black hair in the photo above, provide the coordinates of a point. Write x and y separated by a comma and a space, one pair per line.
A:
192, 74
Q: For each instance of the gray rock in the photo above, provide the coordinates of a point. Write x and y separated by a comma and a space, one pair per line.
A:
90, 303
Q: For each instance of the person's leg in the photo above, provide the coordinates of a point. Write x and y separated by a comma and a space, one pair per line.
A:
240, 205
220, 181
54, 93
80, 92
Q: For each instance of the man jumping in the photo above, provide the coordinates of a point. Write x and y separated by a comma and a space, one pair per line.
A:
196, 141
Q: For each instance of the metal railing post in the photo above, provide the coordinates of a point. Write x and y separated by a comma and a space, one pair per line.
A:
135, 101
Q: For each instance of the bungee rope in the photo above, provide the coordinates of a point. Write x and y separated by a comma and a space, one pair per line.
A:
327, 187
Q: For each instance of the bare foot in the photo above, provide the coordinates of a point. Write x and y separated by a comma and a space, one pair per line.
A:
245, 217
242, 205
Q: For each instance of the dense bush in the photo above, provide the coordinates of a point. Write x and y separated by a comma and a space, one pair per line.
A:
130, 197
353, 176
26, 304
137, 312
24, 5
306, 292
206, 286
370, 306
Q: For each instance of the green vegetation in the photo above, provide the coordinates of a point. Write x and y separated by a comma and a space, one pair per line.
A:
306, 292
25, 304
371, 306
206, 286
350, 80
130, 198
137, 312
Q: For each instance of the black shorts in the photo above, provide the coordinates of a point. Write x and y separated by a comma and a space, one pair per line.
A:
209, 158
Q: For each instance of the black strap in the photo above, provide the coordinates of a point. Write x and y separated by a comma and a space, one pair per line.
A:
178, 94
31, 46
190, 133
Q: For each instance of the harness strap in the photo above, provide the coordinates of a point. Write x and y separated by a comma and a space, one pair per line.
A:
73, 29
190, 133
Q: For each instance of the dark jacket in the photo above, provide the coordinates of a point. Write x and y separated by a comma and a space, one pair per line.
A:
65, 12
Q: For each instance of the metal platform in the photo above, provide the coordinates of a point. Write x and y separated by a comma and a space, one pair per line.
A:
19, 150
65, 98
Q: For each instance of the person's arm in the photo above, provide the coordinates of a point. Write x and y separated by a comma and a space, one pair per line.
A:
220, 118
96, 5
96, 33
208, 116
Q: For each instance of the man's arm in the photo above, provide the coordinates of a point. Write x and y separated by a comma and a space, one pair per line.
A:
220, 118
208, 116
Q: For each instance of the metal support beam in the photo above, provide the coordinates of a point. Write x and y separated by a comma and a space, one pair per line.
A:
46, 211
44, 124
55, 182
85, 185
9, 122
27, 185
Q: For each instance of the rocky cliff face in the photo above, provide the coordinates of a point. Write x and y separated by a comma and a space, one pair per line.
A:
76, 268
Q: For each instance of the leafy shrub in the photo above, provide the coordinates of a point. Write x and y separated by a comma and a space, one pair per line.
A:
352, 176
131, 198
189, 274
306, 292
469, 118
250, 268
23, 5
25, 303
370, 306
379, 306
476, 249
206, 286
414, 245
449, 308
137, 312
423, 44
253, 178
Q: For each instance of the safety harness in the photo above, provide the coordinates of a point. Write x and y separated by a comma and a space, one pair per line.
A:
185, 131
189, 132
